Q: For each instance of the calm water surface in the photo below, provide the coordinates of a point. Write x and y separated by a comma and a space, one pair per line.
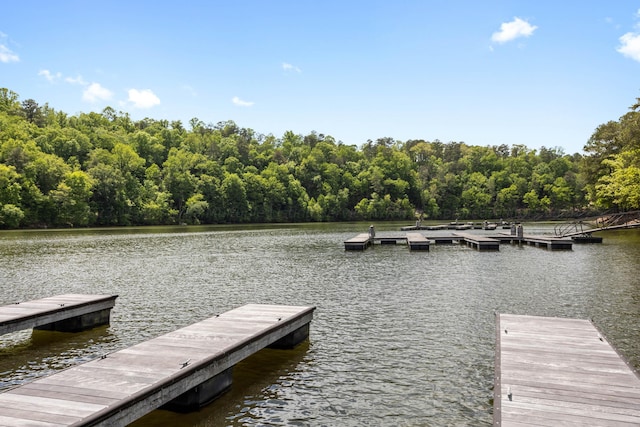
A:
399, 338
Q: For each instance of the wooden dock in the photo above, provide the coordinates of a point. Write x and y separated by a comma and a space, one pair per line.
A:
553, 243
415, 241
358, 243
560, 372
479, 242
182, 370
541, 241
418, 242
70, 312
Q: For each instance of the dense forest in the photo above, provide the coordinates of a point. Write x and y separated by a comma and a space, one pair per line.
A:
105, 169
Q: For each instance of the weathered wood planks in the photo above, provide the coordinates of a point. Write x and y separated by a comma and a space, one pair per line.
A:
553, 243
70, 312
552, 372
479, 242
418, 242
123, 386
358, 243
415, 241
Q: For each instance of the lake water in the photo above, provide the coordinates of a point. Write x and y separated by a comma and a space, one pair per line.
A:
399, 337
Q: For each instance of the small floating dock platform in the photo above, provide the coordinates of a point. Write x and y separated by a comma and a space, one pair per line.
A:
586, 239
358, 243
417, 241
481, 243
66, 313
552, 243
552, 371
181, 370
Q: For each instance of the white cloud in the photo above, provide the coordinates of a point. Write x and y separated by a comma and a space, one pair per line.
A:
630, 42
76, 81
144, 98
288, 67
630, 46
239, 102
50, 77
512, 30
95, 92
6, 55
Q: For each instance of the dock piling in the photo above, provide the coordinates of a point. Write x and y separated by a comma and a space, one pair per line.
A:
202, 394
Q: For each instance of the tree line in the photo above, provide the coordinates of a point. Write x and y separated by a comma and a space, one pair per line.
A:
105, 169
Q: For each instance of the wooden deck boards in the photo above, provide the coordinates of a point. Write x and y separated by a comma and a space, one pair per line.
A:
32, 314
561, 372
360, 242
479, 242
476, 237
417, 241
127, 384
548, 241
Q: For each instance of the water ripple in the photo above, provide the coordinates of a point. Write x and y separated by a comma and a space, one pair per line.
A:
399, 338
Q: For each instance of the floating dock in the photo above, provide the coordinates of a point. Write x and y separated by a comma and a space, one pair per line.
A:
417, 241
479, 242
552, 371
456, 225
358, 243
552, 243
586, 239
66, 313
181, 370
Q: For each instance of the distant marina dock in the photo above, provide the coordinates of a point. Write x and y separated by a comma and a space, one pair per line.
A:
415, 241
481, 242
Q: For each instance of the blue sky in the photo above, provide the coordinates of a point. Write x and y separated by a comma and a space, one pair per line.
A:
538, 73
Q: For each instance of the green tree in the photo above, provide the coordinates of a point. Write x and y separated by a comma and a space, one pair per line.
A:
621, 188
476, 201
32, 112
46, 171
507, 201
10, 216
196, 208
109, 195
10, 188
178, 178
234, 196
72, 198
9, 101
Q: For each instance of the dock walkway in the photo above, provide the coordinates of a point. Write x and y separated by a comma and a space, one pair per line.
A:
553, 371
70, 312
186, 368
548, 242
417, 241
358, 243
479, 242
